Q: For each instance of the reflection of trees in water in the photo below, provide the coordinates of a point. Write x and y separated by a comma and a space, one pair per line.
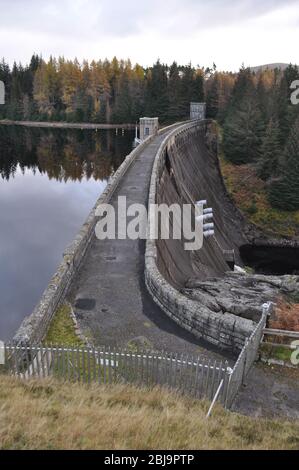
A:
62, 154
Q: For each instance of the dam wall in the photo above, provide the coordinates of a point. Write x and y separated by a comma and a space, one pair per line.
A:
185, 170
197, 289
34, 327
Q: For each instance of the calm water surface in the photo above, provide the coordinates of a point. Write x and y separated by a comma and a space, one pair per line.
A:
49, 181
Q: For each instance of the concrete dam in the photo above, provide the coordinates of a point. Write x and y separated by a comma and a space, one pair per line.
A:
154, 293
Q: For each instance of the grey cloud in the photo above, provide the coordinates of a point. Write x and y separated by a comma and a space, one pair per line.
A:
96, 28
95, 18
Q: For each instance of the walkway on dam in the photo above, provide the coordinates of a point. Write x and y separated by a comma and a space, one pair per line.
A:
109, 296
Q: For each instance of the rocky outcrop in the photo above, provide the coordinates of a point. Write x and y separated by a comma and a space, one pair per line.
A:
240, 294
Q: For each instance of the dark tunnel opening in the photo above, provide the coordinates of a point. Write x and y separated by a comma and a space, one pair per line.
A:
271, 259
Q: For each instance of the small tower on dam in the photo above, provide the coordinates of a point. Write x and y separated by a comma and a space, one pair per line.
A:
148, 126
197, 110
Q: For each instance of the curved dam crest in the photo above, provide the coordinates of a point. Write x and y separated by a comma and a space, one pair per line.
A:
103, 280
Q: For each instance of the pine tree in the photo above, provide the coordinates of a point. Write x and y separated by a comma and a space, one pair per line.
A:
243, 87
174, 85
284, 193
156, 92
262, 97
283, 108
270, 152
137, 91
213, 98
189, 91
243, 132
198, 89
123, 102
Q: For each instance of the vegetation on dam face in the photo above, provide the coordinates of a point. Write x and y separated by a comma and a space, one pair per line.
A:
46, 414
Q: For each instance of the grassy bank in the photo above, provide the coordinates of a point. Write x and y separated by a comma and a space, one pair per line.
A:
52, 415
62, 329
250, 196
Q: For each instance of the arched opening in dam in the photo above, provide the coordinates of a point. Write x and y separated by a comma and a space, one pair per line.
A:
275, 260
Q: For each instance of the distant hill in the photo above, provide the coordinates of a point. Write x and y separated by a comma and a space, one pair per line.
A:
261, 68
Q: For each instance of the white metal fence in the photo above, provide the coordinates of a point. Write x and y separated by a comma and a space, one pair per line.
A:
197, 377
247, 357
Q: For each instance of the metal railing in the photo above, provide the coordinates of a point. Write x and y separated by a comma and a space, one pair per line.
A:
247, 357
197, 377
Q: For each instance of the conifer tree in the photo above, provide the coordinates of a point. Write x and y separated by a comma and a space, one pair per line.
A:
213, 98
270, 151
174, 88
243, 132
283, 108
198, 92
243, 87
157, 93
284, 193
190, 89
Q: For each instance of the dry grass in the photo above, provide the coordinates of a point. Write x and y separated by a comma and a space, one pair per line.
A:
286, 316
55, 415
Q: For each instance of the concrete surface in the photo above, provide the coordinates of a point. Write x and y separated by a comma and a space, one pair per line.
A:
270, 391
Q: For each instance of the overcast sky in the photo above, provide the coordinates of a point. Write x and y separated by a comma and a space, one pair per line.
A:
227, 32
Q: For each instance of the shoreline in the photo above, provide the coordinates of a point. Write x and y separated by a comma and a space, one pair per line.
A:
66, 125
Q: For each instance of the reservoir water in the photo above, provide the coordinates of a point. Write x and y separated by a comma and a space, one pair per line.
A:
49, 181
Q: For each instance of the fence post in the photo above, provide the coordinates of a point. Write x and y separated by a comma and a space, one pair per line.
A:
245, 360
215, 398
229, 373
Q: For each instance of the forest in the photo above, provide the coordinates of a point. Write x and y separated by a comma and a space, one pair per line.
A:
258, 124
104, 91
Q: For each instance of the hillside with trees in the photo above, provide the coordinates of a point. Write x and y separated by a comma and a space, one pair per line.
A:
259, 125
261, 136
103, 91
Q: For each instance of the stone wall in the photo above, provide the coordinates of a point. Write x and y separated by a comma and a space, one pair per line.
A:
166, 264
